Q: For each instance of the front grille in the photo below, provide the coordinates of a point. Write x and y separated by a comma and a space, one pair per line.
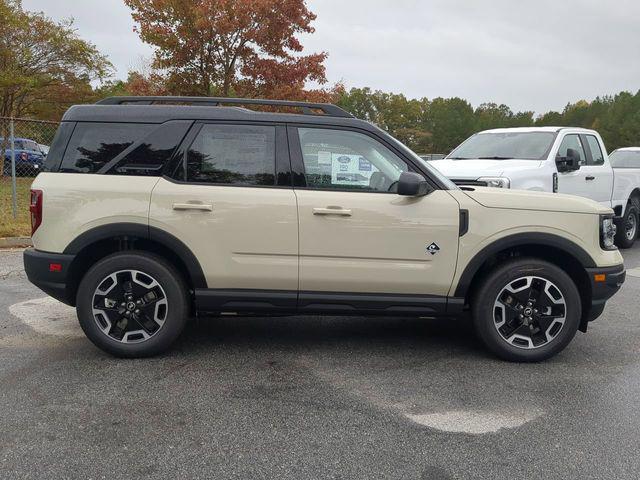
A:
474, 183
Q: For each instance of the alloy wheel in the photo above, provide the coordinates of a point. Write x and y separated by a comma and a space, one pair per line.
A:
129, 306
529, 312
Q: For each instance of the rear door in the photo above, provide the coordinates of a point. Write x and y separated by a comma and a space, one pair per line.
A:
229, 199
359, 240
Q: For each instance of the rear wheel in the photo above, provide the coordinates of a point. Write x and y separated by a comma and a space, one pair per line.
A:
628, 227
132, 304
526, 310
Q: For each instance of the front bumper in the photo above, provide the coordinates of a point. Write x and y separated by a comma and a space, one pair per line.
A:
605, 283
50, 273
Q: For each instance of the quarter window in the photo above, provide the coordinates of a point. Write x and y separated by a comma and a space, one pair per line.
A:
345, 160
572, 141
233, 155
92, 145
597, 158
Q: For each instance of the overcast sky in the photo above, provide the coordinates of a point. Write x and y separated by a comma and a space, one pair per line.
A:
532, 55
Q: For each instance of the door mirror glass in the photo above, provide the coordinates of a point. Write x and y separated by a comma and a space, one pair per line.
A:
412, 184
570, 163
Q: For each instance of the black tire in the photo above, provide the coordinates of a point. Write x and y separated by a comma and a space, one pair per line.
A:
172, 286
625, 237
486, 319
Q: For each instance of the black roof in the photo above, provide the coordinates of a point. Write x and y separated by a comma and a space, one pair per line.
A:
152, 110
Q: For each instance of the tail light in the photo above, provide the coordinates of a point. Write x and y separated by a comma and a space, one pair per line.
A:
35, 207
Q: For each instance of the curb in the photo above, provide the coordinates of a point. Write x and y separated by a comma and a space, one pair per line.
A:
11, 242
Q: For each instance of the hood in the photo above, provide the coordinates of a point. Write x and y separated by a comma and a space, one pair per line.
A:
474, 169
539, 201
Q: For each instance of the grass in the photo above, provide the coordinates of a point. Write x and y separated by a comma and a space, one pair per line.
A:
20, 226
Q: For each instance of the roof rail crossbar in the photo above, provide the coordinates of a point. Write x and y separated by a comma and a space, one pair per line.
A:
307, 108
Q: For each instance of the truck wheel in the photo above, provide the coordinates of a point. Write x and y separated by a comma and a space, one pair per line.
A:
526, 310
132, 304
628, 226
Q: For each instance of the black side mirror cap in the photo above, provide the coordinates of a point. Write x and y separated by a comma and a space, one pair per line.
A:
413, 184
570, 163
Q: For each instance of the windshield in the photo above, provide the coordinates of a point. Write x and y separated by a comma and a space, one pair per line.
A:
444, 180
505, 146
625, 159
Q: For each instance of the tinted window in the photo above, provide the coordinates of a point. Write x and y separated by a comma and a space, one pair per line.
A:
56, 151
625, 159
505, 145
149, 157
92, 145
573, 142
341, 159
233, 155
596, 151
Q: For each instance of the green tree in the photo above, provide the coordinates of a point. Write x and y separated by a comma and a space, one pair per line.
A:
450, 121
44, 65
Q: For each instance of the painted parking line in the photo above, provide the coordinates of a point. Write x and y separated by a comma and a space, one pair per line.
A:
475, 422
48, 317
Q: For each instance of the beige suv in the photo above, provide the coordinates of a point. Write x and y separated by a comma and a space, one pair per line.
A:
154, 209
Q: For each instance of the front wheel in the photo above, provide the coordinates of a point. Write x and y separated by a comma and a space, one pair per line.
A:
132, 304
628, 227
526, 310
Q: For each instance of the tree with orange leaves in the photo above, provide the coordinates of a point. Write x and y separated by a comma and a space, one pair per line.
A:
229, 47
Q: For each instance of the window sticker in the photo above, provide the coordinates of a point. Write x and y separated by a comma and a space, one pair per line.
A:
351, 170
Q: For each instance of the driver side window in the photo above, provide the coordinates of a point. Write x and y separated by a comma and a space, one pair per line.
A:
345, 160
572, 141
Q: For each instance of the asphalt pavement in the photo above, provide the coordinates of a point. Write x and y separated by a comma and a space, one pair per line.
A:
314, 398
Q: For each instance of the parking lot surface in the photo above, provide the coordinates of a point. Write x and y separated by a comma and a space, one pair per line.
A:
310, 397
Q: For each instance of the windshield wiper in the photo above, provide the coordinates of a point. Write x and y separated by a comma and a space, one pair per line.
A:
495, 158
457, 158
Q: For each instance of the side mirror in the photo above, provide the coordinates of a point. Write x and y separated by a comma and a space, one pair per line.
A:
570, 163
412, 184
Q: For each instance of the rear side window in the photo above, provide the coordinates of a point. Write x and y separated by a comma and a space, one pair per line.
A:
233, 155
596, 152
92, 145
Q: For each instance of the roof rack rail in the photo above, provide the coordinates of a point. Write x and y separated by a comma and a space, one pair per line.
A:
307, 108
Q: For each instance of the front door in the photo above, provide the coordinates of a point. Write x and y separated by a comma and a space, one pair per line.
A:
593, 180
357, 235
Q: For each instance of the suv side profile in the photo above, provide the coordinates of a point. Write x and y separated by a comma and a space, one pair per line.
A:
154, 209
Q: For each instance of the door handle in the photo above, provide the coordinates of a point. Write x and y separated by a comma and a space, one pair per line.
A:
204, 207
343, 212
589, 178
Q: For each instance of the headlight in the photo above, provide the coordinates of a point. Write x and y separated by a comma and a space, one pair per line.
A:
607, 232
496, 182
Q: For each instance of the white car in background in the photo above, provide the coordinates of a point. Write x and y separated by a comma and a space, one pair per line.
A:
549, 159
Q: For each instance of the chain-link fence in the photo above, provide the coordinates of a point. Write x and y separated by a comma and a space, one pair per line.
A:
24, 145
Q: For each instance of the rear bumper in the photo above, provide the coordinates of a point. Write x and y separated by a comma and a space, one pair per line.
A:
603, 288
50, 273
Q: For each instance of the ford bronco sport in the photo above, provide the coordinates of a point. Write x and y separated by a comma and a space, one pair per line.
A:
154, 209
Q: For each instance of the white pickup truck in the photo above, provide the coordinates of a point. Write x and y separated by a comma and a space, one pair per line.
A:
550, 159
